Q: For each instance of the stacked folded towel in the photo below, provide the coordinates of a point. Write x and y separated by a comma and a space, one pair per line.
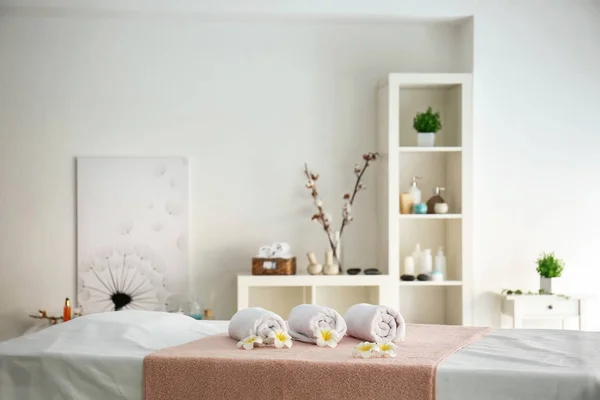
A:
276, 250
307, 320
373, 323
255, 321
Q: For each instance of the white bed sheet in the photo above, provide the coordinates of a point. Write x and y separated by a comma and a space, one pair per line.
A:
100, 357
97, 357
523, 364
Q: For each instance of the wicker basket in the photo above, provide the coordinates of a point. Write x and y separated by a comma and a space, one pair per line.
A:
274, 266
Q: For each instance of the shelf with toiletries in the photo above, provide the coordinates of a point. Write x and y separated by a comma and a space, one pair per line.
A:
423, 176
431, 250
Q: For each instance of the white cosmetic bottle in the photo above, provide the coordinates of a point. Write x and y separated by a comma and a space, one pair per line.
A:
414, 191
440, 262
426, 262
416, 255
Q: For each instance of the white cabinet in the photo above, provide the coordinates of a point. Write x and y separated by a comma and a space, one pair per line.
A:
547, 307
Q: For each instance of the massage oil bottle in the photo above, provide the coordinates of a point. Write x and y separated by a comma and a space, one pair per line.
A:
67, 310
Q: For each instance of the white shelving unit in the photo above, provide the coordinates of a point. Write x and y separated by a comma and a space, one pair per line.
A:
281, 293
449, 164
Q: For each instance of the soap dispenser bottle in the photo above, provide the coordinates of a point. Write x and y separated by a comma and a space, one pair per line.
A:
435, 199
414, 192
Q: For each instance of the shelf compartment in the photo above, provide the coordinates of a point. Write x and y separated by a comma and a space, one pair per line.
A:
429, 216
430, 283
447, 100
431, 234
280, 300
431, 304
437, 169
311, 280
341, 298
441, 149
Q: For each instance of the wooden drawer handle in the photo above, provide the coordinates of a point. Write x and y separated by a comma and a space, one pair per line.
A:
550, 307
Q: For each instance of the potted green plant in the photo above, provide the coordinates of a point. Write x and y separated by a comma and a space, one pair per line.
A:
549, 266
427, 124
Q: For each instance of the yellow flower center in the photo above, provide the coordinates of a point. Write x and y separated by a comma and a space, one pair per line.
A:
280, 336
386, 347
327, 335
250, 339
365, 347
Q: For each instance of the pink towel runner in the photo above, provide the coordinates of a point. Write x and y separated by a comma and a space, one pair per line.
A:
213, 368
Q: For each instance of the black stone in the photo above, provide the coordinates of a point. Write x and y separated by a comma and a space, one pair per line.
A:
407, 278
423, 277
372, 271
353, 271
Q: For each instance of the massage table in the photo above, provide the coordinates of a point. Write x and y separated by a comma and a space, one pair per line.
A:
101, 357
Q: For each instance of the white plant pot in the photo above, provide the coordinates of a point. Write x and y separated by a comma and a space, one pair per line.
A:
425, 139
546, 284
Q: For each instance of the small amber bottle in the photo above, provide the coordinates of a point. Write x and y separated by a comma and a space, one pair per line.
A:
406, 203
67, 310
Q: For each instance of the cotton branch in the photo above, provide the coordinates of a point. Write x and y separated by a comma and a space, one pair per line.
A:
322, 217
358, 186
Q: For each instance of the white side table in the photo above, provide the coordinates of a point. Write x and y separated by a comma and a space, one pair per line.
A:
549, 307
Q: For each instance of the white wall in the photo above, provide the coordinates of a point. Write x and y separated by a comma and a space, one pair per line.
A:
137, 82
248, 101
537, 86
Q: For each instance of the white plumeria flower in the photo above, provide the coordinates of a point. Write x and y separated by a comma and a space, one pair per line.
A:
365, 350
387, 350
327, 337
248, 343
280, 338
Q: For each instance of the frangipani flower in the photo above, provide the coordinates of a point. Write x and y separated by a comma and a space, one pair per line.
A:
280, 338
387, 350
365, 350
248, 343
327, 337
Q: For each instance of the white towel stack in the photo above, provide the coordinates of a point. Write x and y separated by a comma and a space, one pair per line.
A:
276, 250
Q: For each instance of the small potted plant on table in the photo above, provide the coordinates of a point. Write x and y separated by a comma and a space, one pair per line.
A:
427, 124
548, 266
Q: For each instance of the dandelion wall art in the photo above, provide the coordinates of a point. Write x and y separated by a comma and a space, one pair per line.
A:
132, 232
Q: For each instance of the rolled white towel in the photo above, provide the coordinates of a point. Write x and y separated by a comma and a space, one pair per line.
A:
373, 323
305, 321
255, 321
281, 249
